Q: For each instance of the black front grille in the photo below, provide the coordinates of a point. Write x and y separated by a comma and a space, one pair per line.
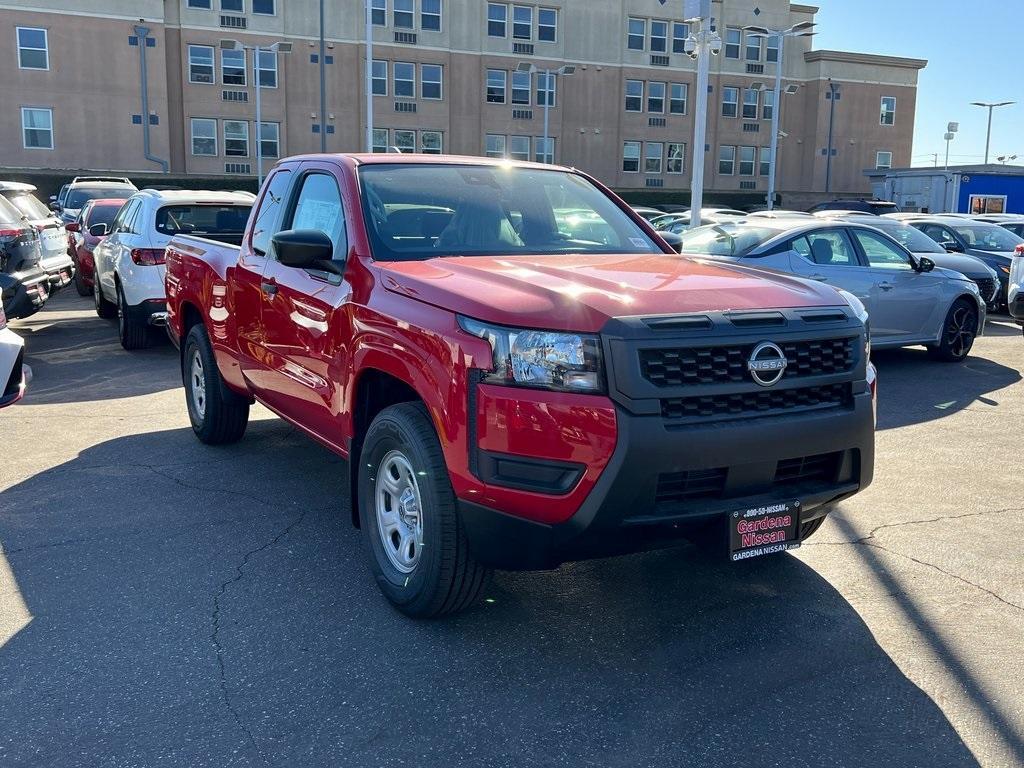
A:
759, 403
805, 469
987, 287
674, 367
678, 487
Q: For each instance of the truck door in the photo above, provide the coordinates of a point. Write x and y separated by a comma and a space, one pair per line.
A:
302, 331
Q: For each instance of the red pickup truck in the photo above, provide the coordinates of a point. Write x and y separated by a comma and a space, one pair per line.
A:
520, 370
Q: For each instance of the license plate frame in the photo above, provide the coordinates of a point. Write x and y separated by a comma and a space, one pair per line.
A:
764, 530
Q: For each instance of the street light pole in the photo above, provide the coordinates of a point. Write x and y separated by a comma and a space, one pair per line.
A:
259, 116
833, 90
951, 129
702, 50
990, 105
323, 85
369, 76
565, 69
547, 107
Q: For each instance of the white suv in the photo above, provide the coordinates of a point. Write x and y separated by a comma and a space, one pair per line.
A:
129, 280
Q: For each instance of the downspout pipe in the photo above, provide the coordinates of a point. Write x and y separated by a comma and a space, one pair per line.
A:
140, 34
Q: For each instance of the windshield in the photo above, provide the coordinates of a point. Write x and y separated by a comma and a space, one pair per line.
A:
420, 211
28, 205
725, 239
76, 197
102, 214
911, 238
202, 219
9, 215
987, 237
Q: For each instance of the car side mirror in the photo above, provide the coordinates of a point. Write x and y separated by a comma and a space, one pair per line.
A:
306, 249
952, 246
73, 226
924, 264
99, 230
675, 242
55, 207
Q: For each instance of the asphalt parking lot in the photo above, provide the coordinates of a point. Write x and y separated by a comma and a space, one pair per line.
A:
167, 603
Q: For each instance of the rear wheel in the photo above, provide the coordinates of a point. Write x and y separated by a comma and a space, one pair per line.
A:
104, 308
958, 332
131, 333
217, 414
80, 286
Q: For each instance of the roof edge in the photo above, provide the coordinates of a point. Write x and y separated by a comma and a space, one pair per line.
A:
801, 8
849, 57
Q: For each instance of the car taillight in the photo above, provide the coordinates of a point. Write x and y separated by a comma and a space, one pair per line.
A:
1019, 250
148, 257
10, 232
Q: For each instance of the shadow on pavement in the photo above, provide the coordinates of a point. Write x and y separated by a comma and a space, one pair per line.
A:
213, 606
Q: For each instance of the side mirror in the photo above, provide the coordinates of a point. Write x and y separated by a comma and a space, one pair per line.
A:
306, 249
952, 246
924, 264
73, 226
675, 242
55, 206
99, 230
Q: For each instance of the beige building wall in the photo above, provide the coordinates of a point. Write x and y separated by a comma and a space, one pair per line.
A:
92, 86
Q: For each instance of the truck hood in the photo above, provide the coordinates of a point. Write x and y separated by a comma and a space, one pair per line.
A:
580, 293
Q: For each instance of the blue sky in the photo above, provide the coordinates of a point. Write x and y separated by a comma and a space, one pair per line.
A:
987, 64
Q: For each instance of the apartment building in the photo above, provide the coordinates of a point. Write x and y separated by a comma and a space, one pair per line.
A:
450, 76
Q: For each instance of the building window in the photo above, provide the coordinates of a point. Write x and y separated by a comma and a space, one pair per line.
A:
545, 90
379, 13
653, 153
544, 150
748, 157
236, 138
494, 145
431, 81
430, 16
267, 69
733, 39
634, 95
985, 203
750, 99
656, 98
676, 161
680, 31
883, 159
204, 137
753, 47
405, 141
232, 67
726, 160
403, 14
677, 102
33, 51
888, 110
405, 79
37, 127
730, 97
521, 88
235, 6
659, 36
767, 105
771, 51
765, 163
265, 8
631, 156
496, 80
380, 139
522, 22
204, 5
636, 34
497, 20
270, 139
547, 25
380, 78
200, 64
430, 142
519, 147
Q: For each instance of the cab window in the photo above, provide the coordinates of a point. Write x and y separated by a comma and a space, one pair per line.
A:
268, 214
318, 206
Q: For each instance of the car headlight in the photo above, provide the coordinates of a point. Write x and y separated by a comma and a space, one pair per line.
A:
862, 314
1005, 269
568, 362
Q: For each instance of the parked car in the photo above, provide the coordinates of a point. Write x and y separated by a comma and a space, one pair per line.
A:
778, 213
24, 286
53, 238
95, 211
647, 213
919, 244
1011, 221
909, 300
877, 207
660, 222
509, 397
988, 242
1015, 293
14, 373
128, 263
82, 188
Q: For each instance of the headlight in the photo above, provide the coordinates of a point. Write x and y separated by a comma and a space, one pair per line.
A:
862, 314
569, 362
1004, 268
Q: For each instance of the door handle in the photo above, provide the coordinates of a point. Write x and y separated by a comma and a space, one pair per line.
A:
820, 277
885, 285
269, 288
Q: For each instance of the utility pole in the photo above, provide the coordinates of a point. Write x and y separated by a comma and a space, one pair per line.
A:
700, 47
990, 105
951, 129
323, 85
833, 90
369, 76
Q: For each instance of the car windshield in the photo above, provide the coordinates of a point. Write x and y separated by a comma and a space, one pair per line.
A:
102, 214
28, 205
725, 239
202, 219
420, 211
987, 237
911, 238
9, 215
79, 195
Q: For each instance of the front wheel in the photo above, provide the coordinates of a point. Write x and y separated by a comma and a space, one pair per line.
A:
217, 414
418, 550
958, 333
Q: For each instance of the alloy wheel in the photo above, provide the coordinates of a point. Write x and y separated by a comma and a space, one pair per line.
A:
960, 331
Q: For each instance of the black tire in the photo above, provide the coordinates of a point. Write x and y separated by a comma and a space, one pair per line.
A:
445, 578
809, 528
104, 308
223, 415
959, 330
80, 286
131, 333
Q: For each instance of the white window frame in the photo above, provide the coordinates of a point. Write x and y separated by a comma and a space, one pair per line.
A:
405, 132
750, 41
680, 31
735, 103
883, 111
411, 13
985, 199
45, 49
200, 5
538, 150
276, 140
379, 6
487, 86
529, 10
273, 4
245, 68
651, 87
503, 21
756, 104
192, 136
496, 153
375, 79
752, 161
25, 129
439, 82
685, 99
212, 65
395, 79
639, 146
440, 20
540, 11
648, 158
731, 160
383, 147
440, 142
642, 34
518, 155
764, 161
878, 156
663, 38
628, 96
260, 68
525, 86
236, 137
681, 157
767, 105
771, 43
737, 43
239, 9
550, 92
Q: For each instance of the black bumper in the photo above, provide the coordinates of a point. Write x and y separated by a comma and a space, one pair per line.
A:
24, 295
148, 312
751, 462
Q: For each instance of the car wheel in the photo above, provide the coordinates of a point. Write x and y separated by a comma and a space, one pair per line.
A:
218, 415
958, 333
80, 286
131, 333
418, 550
104, 308
809, 528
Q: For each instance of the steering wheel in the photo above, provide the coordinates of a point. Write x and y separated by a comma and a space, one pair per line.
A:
377, 210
